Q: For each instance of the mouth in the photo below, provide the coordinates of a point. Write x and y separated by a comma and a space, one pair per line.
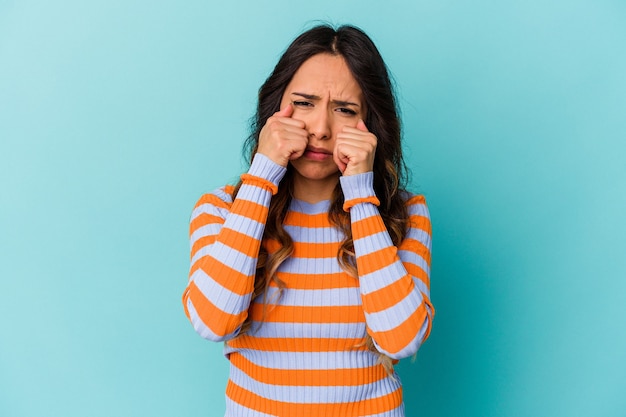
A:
318, 150
317, 154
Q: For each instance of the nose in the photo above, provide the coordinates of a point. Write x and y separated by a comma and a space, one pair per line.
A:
318, 125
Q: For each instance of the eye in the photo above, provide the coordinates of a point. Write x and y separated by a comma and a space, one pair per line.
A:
347, 111
299, 103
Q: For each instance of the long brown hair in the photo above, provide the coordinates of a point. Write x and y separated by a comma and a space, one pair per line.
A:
370, 71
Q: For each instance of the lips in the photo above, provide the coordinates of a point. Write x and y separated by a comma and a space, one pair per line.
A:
317, 154
317, 150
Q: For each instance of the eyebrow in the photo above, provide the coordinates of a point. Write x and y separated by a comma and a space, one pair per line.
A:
314, 97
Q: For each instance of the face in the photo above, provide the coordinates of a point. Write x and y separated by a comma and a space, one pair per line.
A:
326, 97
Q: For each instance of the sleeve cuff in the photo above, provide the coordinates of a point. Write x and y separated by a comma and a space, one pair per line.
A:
264, 173
358, 189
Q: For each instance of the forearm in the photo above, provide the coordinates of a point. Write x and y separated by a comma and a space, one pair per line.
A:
225, 243
396, 310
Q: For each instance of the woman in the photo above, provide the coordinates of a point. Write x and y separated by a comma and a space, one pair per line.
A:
314, 268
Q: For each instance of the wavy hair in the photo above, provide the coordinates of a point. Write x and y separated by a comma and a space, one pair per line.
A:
390, 172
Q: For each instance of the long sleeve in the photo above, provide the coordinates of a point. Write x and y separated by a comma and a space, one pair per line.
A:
225, 237
394, 281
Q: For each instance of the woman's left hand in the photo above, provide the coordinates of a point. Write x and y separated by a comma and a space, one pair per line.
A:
355, 148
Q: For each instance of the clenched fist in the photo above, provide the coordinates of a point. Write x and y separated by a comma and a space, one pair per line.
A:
355, 148
283, 139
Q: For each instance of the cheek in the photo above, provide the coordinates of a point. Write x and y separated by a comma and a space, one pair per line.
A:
340, 122
298, 113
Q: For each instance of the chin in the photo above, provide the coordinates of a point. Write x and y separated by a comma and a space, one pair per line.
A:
316, 173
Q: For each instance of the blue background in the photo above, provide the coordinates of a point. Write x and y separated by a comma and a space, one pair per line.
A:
115, 116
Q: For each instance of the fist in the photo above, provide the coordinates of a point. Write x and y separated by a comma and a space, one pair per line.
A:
283, 139
355, 149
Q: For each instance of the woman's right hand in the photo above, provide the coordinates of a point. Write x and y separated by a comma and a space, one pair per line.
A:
283, 139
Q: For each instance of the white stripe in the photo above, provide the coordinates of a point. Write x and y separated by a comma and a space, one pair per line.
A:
395, 315
234, 409
206, 230
418, 209
381, 278
412, 257
221, 297
419, 284
363, 211
396, 412
316, 298
207, 208
315, 234
372, 243
419, 235
229, 256
411, 348
245, 225
313, 266
313, 394
223, 195
298, 330
202, 329
254, 194
309, 360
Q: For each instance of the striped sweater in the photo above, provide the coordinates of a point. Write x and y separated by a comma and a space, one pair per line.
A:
307, 358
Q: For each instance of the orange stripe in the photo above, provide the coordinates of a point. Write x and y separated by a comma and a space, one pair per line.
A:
417, 221
278, 408
224, 275
368, 226
416, 246
388, 296
310, 377
302, 314
259, 182
200, 243
240, 242
348, 204
321, 282
213, 200
271, 245
416, 199
286, 344
249, 209
227, 235
418, 273
379, 259
315, 250
185, 298
430, 317
396, 339
220, 322
295, 218
229, 189
203, 220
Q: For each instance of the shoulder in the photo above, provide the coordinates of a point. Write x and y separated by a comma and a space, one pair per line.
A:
414, 201
219, 199
417, 210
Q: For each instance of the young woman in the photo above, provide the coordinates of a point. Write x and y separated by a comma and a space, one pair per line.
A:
314, 268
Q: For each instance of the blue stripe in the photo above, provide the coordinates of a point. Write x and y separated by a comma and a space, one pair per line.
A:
313, 394
308, 330
349, 296
311, 360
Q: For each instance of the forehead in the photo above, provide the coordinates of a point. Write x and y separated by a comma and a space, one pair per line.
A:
326, 75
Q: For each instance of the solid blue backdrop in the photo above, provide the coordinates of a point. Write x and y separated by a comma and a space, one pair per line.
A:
115, 117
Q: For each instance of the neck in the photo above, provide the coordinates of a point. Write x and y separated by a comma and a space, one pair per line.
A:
313, 191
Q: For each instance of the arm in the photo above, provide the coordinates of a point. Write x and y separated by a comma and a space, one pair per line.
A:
225, 239
394, 281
